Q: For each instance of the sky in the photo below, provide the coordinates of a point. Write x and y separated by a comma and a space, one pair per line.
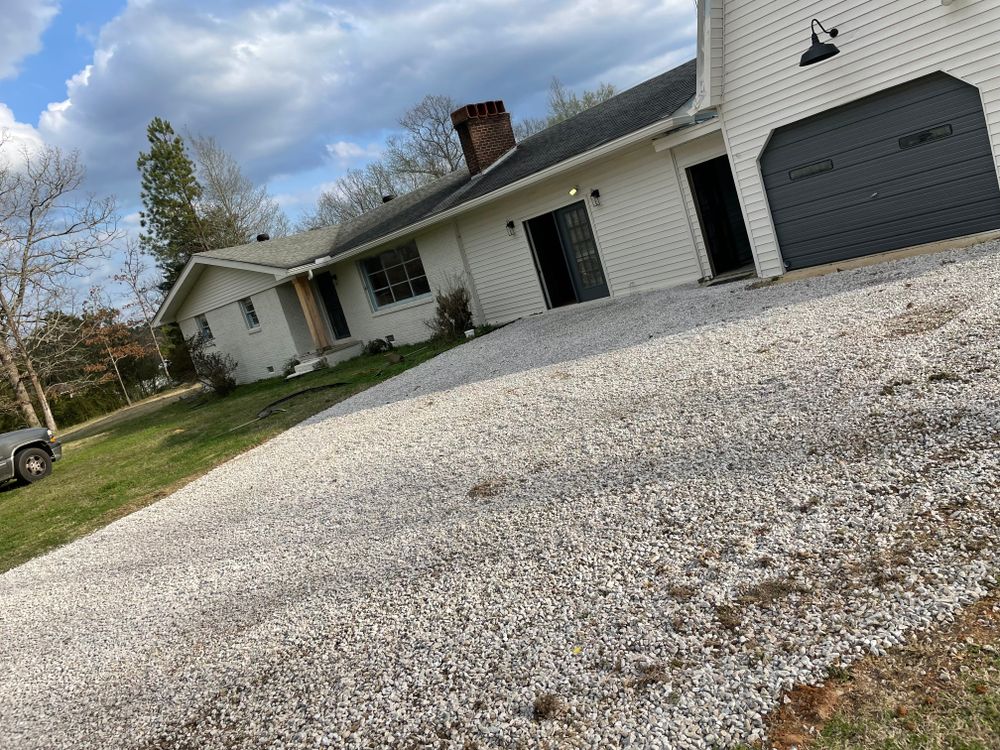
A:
301, 90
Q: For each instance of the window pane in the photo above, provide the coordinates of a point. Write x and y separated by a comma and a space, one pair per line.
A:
372, 265
409, 252
925, 136
378, 280
383, 297
396, 274
809, 170
390, 258
402, 291
415, 268
420, 285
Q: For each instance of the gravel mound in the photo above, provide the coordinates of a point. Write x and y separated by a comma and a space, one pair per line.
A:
626, 524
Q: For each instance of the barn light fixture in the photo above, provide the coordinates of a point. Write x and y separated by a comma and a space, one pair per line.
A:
595, 197
819, 51
510, 227
574, 190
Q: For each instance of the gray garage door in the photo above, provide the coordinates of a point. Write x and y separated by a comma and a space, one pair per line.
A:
909, 165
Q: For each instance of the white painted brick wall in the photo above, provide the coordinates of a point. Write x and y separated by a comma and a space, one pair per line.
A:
405, 321
254, 351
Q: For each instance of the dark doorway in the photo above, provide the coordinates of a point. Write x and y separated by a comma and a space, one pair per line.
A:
550, 260
334, 310
566, 256
722, 223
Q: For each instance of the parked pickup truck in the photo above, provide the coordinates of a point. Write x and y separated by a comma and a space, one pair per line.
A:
27, 455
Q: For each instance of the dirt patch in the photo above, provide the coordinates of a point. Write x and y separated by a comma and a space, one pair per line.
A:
767, 593
486, 488
940, 692
548, 706
919, 319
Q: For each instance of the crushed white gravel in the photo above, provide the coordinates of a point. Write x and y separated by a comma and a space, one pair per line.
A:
660, 510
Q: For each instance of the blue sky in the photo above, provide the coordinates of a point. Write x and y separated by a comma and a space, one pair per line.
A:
300, 90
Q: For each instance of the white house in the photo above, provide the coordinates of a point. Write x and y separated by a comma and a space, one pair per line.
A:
741, 161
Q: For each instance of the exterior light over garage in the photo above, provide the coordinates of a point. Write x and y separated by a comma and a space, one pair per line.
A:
819, 51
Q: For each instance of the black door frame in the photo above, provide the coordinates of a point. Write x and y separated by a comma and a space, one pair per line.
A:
571, 268
709, 233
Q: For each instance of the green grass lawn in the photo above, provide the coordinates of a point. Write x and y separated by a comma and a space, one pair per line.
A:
940, 691
111, 469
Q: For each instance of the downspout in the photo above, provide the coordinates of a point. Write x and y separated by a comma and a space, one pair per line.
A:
480, 316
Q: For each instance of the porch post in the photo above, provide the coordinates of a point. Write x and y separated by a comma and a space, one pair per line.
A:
314, 319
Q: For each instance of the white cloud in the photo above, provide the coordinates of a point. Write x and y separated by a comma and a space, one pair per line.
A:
296, 85
345, 153
24, 22
15, 137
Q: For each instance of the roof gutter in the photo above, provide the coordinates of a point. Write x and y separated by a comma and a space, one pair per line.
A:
661, 127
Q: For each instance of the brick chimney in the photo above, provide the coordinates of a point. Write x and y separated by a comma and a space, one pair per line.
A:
485, 132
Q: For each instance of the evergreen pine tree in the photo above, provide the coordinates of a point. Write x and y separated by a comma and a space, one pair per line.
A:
170, 191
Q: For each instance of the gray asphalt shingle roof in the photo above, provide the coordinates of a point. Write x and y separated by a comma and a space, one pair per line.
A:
282, 252
625, 113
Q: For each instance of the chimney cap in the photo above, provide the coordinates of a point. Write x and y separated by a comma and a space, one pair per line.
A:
477, 111
263, 237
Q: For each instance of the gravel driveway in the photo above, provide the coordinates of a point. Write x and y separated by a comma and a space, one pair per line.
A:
654, 514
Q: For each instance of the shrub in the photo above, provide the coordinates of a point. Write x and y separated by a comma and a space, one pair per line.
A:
290, 366
453, 316
214, 369
377, 346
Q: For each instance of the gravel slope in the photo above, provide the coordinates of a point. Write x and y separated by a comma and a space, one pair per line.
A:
661, 510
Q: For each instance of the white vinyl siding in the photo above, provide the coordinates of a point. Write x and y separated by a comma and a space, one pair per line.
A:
882, 45
217, 286
642, 230
710, 50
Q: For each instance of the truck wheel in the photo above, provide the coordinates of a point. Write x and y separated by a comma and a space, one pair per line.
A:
32, 464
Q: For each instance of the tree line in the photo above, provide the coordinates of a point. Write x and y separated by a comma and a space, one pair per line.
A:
71, 348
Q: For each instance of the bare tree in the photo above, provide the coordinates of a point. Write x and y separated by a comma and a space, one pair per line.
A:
8, 364
563, 104
429, 147
426, 149
50, 232
232, 209
357, 192
142, 287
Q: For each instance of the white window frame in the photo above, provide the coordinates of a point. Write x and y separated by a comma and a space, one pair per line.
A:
250, 316
204, 329
366, 279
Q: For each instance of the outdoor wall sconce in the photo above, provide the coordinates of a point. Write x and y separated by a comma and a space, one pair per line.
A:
819, 52
573, 191
595, 197
510, 227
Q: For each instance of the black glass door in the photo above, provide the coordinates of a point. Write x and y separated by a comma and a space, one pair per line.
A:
328, 291
582, 257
